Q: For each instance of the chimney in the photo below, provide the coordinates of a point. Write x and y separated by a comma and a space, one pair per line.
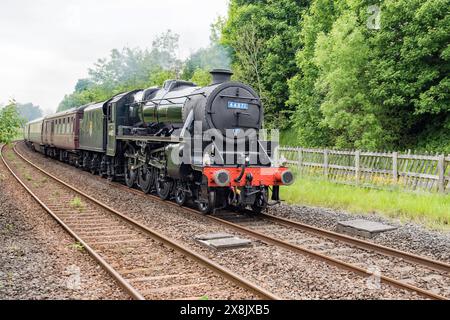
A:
220, 75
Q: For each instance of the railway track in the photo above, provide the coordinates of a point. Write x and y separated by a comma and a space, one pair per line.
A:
321, 247
397, 268
146, 264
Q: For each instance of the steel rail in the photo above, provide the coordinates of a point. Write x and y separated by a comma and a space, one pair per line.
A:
333, 261
302, 250
295, 248
361, 271
215, 267
430, 263
105, 265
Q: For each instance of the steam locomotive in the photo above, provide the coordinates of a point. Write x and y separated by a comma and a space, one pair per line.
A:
181, 141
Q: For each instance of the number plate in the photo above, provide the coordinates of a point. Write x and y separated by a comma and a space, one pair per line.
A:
237, 105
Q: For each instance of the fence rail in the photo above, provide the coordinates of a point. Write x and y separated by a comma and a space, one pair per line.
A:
373, 169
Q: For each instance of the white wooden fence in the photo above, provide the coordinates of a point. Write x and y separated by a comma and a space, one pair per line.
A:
373, 169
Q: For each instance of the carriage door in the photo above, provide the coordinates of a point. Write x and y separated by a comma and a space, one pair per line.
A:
47, 132
52, 131
111, 125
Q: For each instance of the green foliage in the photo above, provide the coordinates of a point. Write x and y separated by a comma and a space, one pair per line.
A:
373, 89
76, 203
125, 70
76, 246
10, 122
158, 77
341, 58
264, 36
201, 77
410, 72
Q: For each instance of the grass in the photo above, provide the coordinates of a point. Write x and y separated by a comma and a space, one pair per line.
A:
10, 156
76, 246
8, 228
27, 176
430, 209
77, 204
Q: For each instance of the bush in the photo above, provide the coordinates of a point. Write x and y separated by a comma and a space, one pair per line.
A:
10, 123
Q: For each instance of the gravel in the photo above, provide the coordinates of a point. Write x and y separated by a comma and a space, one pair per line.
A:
409, 237
38, 259
290, 275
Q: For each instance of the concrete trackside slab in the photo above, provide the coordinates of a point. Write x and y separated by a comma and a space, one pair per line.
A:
363, 228
221, 241
211, 236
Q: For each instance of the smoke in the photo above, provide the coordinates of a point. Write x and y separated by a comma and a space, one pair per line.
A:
216, 56
222, 57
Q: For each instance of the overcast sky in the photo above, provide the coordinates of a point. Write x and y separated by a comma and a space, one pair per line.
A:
47, 45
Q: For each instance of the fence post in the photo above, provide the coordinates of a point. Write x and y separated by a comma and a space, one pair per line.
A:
325, 163
395, 166
441, 172
357, 166
300, 159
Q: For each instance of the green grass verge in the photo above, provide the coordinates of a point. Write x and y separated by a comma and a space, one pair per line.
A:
432, 210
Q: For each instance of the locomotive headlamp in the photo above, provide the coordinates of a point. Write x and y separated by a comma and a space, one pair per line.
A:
222, 178
287, 177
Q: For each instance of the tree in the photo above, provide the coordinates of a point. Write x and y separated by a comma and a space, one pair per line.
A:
125, 70
303, 94
250, 57
10, 122
271, 25
157, 78
341, 58
201, 77
410, 63
395, 95
29, 111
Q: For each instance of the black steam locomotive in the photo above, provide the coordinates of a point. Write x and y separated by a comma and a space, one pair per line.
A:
181, 141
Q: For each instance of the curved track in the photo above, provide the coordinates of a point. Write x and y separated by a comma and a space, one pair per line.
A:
245, 226
129, 251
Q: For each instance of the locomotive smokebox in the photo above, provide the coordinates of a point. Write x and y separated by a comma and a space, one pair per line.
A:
221, 75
